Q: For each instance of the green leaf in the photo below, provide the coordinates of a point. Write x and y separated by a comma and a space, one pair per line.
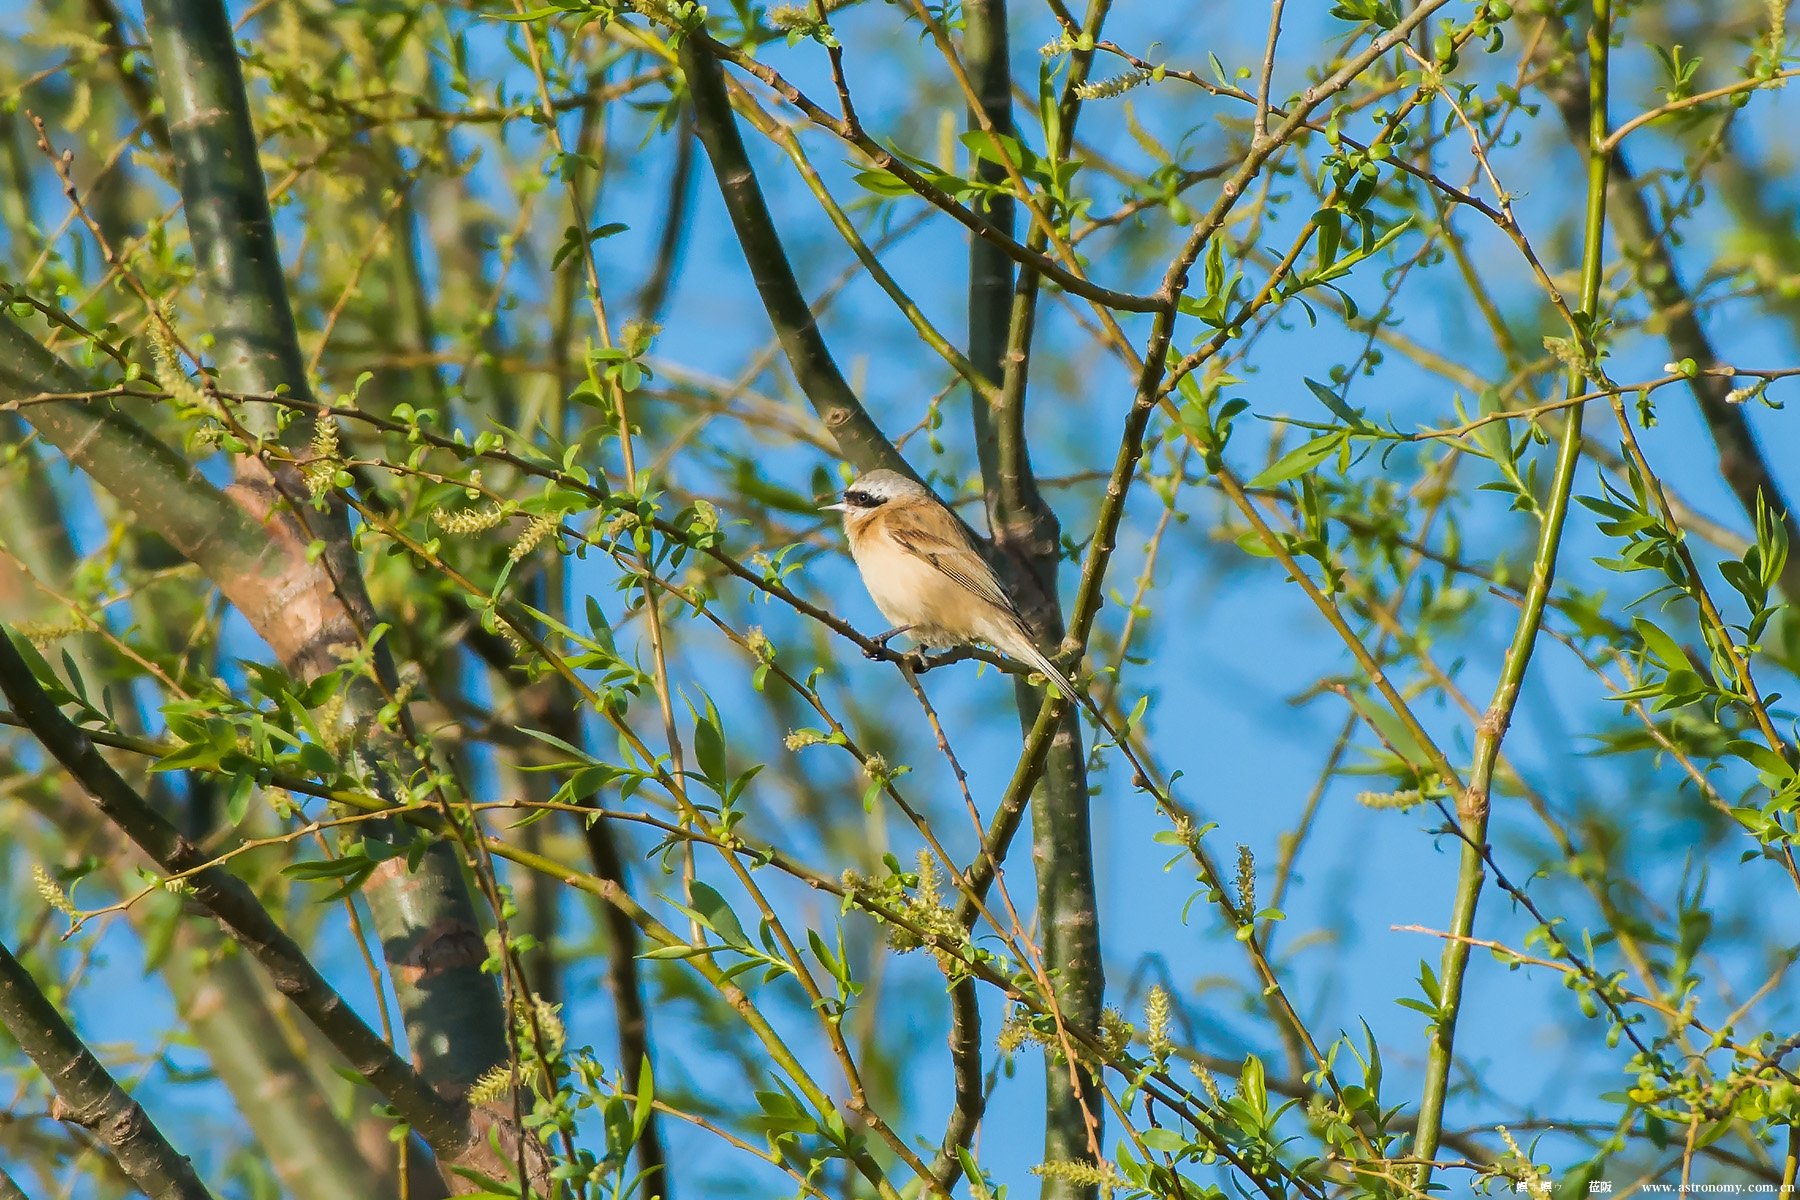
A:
1665, 649
1352, 417
237, 799
882, 183
680, 950
709, 747
1253, 1087
1299, 460
327, 868
716, 914
642, 1106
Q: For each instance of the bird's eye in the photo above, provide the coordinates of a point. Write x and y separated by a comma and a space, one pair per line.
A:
857, 498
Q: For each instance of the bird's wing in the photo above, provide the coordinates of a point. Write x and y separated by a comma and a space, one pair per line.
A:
954, 556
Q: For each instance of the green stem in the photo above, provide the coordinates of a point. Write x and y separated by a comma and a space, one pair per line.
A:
1742, 463
89, 1095
1473, 805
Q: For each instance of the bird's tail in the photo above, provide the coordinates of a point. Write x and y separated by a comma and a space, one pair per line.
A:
1016, 643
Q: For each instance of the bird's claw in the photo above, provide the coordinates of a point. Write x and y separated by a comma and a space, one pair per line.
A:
922, 662
878, 647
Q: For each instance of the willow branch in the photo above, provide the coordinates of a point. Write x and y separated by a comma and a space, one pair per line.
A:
225, 199
138, 91
969, 1092
220, 995
1742, 464
163, 491
554, 708
881, 158
654, 295
1473, 804
453, 1013
858, 437
1002, 316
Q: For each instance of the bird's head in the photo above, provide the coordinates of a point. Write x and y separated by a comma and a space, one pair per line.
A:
871, 490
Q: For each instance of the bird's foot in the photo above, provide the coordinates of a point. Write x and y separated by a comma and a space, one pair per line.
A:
924, 662
879, 645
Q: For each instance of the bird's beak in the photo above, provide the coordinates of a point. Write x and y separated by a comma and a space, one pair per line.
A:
840, 506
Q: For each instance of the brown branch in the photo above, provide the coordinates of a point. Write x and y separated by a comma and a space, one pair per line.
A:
426, 919
859, 438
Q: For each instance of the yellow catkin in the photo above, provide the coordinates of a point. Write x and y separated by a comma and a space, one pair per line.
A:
51, 892
1157, 1009
493, 1085
1115, 1032
170, 375
1399, 801
470, 520
1207, 1083
549, 1026
932, 921
44, 634
800, 739
782, 16
537, 531
1246, 880
1118, 85
1080, 1174
320, 470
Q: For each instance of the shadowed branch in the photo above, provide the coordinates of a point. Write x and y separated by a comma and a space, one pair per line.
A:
230, 900
86, 1094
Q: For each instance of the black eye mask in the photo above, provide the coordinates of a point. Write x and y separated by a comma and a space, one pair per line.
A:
857, 498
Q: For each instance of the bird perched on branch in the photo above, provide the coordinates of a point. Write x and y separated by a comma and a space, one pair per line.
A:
927, 576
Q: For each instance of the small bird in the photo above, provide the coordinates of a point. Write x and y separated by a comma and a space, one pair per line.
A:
927, 576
